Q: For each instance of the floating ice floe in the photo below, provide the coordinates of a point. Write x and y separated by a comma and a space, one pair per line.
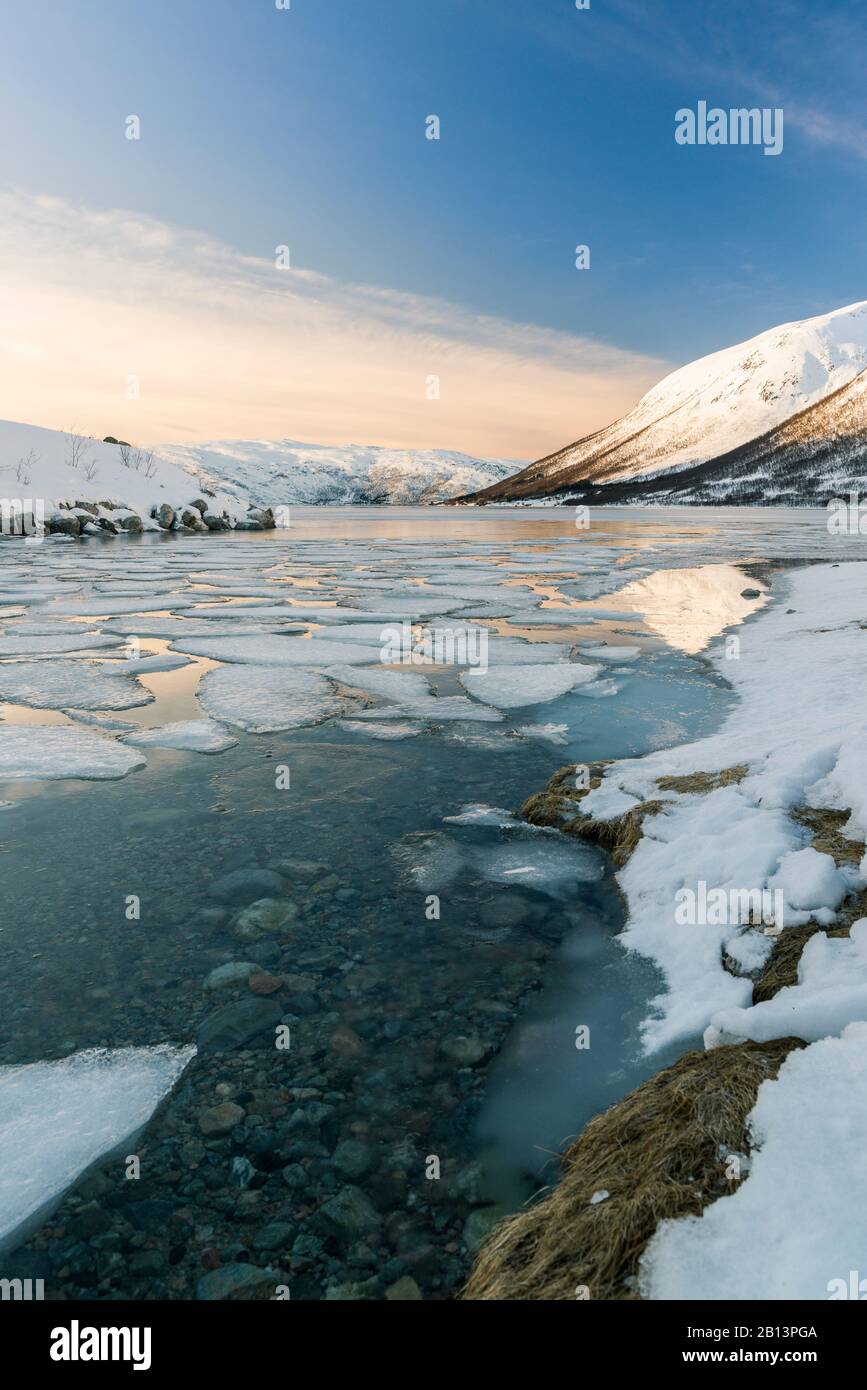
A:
513, 651
613, 654
509, 687
33, 752
99, 721
372, 634
58, 1118
79, 684
267, 699
438, 709
388, 732
192, 627
400, 686
188, 735
138, 603
430, 859
797, 1224
15, 645
275, 650
547, 733
146, 665
478, 814
548, 863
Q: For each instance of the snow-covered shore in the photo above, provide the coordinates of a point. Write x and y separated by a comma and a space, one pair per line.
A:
730, 844
68, 484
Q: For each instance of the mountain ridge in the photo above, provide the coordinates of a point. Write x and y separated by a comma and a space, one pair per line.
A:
701, 425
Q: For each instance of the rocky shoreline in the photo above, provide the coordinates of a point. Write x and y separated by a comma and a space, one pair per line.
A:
109, 518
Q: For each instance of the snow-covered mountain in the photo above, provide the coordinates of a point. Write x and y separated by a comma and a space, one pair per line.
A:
274, 472
778, 418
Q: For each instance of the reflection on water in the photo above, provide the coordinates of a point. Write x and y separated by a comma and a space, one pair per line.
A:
688, 607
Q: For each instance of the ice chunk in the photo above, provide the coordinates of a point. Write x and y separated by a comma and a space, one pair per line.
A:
548, 733
190, 735
512, 651
58, 1118
79, 684
37, 646
391, 685
478, 814
508, 687
265, 700
137, 603
552, 865
275, 650
394, 731
614, 654
431, 860
438, 709
32, 752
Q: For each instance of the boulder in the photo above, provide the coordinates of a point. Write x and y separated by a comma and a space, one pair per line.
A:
239, 1282
238, 1023
266, 917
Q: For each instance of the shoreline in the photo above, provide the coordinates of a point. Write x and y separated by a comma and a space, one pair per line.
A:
795, 988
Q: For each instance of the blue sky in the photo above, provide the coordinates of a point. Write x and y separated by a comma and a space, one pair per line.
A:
306, 127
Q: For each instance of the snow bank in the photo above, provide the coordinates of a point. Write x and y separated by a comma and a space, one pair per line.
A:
799, 726
797, 1224
48, 465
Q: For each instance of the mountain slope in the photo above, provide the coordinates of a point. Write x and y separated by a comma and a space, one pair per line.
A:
711, 411
284, 471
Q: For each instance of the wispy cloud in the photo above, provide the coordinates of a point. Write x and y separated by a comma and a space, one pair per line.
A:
803, 57
227, 345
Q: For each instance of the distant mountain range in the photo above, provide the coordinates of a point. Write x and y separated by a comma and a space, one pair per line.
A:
274, 472
779, 419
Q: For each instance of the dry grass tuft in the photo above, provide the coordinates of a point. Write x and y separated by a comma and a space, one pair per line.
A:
658, 1153
826, 829
703, 781
559, 805
620, 836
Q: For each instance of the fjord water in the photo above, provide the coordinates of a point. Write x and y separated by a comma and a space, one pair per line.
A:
455, 1031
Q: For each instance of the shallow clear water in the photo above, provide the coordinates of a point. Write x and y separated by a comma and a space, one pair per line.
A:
523, 949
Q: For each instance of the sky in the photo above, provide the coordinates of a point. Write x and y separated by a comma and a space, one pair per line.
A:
429, 297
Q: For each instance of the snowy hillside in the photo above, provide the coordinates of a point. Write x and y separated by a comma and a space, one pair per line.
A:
276, 472
61, 469
713, 410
